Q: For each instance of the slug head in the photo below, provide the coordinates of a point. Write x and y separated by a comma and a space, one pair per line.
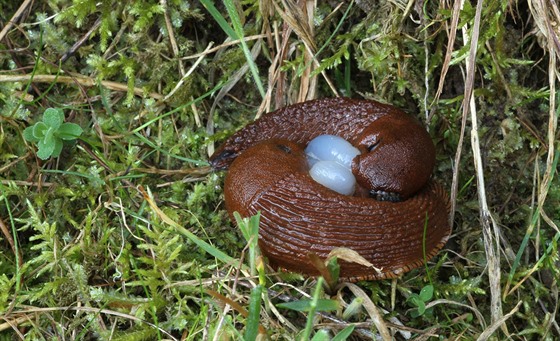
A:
221, 160
397, 157
258, 168
224, 156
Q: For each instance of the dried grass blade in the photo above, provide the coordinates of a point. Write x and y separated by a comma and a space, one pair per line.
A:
542, 20
452, 35
490, 229
372, 311
497, 324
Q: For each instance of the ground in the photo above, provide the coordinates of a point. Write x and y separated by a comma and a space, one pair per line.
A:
114, 226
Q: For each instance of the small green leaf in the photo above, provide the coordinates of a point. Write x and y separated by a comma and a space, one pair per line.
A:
46, 148
39, 130
69, 131
421, 307
413, 298
249, 227
427, 293
57, 147
49, 136
28, 134
53, 117
334, 269
344, 334
305, 305
353, 308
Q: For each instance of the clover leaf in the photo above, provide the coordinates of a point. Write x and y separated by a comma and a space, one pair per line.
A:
419, 300
49, 134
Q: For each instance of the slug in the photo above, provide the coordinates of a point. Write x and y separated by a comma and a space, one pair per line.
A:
396, 220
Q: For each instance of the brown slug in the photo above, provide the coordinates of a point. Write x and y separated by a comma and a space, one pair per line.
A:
269, 172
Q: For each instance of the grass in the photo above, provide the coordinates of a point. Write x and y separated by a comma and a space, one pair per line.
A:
125, 236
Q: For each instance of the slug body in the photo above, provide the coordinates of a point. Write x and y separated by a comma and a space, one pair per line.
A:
269, 172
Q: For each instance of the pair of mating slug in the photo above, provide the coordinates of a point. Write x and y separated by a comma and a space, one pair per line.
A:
269, 172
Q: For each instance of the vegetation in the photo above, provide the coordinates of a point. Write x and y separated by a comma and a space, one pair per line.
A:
50, 133
120, 233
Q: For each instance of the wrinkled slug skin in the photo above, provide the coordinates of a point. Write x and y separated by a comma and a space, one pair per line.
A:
302, 122
299, 216
268, 172
401, 160
400, 165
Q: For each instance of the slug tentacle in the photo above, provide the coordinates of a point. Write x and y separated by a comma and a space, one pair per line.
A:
269, 172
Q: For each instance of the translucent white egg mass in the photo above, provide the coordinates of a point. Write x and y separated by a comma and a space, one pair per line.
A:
334, 176
331, 148
330, 159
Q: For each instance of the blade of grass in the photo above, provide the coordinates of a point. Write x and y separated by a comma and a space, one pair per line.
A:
312, 309
490, 230
250, 229
424, 248
209, 5
236, 21
15, 244
321, 335
171, 112
236, 306
199, 242
254, 314
160, 117
78, 174
321, 304
525, 241
333, 34
235, 33
344, 334
372, 310
165, 152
